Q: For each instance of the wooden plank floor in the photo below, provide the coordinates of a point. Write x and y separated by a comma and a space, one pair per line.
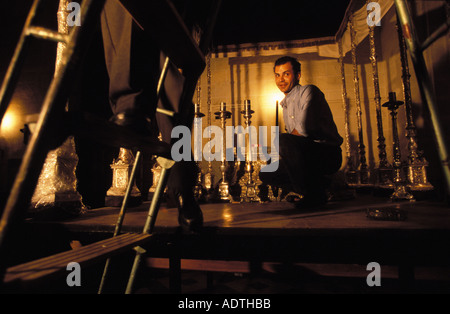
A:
275, 217
277, 230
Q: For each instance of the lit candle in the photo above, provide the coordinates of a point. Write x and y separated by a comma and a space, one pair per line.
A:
223, 106
276, 114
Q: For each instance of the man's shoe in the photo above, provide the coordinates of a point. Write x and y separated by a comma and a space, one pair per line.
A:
134, 121
190, 216
293, 197
311, 201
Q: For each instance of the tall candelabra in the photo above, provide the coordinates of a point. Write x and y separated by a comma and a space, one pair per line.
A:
351, 175
249, 182
224, 186
417, 164
198, 187
400, 189
363, 171
384, 175
209, 177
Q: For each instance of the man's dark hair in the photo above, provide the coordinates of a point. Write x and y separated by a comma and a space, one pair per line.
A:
296, 66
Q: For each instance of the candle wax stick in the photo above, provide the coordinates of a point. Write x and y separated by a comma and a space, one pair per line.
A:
276, 114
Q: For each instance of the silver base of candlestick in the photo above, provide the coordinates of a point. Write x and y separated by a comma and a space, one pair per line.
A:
401, 193
224, 192
249, 190
384, 178
351, 178
250, 182
271, 196
199, 191
362, 179
208, 180
417, 177
122, 168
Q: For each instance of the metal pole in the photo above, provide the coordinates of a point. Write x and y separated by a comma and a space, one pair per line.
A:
166, 164
424, 82
363, 171
417, 176
350, 171
384, 178
209, 176
121, 217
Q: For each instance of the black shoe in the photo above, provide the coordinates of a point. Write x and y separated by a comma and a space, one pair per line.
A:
311, 201
133, 120
190, 216
293, 197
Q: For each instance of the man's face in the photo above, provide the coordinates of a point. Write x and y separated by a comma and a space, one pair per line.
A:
285, 78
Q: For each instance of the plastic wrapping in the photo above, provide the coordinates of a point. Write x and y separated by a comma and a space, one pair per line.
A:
57, 184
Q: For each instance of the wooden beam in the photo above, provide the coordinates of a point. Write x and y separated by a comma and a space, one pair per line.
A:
55, 264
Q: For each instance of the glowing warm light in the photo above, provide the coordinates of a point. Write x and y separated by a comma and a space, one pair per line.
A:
227, 216
9, 121
277, 97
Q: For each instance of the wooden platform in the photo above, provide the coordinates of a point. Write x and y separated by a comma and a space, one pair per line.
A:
254, 233
335, 222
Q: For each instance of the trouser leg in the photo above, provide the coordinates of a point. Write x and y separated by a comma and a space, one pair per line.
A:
294, 151
183, 174
134, 66
304, 165
278, 178
290, 166
131, 61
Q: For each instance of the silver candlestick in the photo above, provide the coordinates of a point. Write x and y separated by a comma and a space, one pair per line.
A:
363, 169
209, 176
249, 183
400, 189
417, 163
224, 186
198, 187
384, 171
